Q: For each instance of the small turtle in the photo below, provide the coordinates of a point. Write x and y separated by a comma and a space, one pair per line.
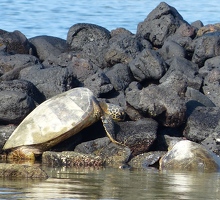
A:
57, 119
188, 155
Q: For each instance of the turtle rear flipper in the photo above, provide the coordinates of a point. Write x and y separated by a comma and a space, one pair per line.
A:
110, 128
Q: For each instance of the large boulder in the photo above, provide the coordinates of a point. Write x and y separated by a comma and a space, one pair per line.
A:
161, 22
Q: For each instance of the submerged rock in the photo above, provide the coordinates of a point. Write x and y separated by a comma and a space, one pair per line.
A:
21, 171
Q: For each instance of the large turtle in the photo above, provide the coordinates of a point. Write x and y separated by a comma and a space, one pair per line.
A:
188, 155
57, 119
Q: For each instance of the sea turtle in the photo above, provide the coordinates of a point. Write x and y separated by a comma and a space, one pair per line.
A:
57, 119
188, 155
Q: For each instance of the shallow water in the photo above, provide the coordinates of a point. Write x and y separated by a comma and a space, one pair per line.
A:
40, 17
115, 184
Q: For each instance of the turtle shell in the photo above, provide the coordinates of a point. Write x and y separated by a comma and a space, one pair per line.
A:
56, 119
191, 156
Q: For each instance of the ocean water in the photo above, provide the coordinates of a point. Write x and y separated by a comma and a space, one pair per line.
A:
54, 18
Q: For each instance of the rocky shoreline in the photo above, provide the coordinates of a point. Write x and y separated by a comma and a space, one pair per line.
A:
166, 77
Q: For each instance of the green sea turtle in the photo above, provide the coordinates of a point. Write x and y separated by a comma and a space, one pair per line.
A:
57, 119
188, 155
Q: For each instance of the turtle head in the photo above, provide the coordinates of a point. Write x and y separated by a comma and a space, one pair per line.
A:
116, 112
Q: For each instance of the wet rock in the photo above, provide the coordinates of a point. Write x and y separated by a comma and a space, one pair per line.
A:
120, 76
189, 156
21, 171
202, 123
137, 135
45, 47
49, 81
113, 154
14, 106
161, 22
187, 69
206, 46
11, 65
148, 65
89, 41
15, 42
99, 84
5, 132
122, 49
24, 87
71, 159
146, 160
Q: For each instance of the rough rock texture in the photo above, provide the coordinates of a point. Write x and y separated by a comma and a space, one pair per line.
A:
71, 159
159, 24
21, 171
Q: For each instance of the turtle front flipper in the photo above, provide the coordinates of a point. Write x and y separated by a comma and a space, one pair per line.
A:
20, 154
110, 128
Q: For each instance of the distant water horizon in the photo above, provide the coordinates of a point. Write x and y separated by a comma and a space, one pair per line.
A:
40, 17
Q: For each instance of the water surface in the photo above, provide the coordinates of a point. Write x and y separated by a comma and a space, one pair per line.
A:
54, 18
109, 183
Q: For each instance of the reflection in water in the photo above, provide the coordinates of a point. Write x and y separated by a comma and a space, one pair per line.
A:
114, 184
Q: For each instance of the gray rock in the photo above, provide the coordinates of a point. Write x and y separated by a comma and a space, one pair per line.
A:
148, 65
5, 133
202, 123
47, 47
172, 49
15, 42
89, 41
120, 76
14, 106
211, 86
206, 46
11, 65
210, 64
50, 81
165, 101
24, 87
122, 49
187, 69
195, 98
99, 84
161, 22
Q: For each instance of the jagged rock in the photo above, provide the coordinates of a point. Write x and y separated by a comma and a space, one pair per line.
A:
15, 42
187, 69
205, 47
11, 65
160, 23
5, 132
49, 81
202, 123
148, 65
137, 135
89, 41
122, 49
14, 106
120, 76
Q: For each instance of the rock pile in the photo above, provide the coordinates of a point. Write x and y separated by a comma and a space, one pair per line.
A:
166, 76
